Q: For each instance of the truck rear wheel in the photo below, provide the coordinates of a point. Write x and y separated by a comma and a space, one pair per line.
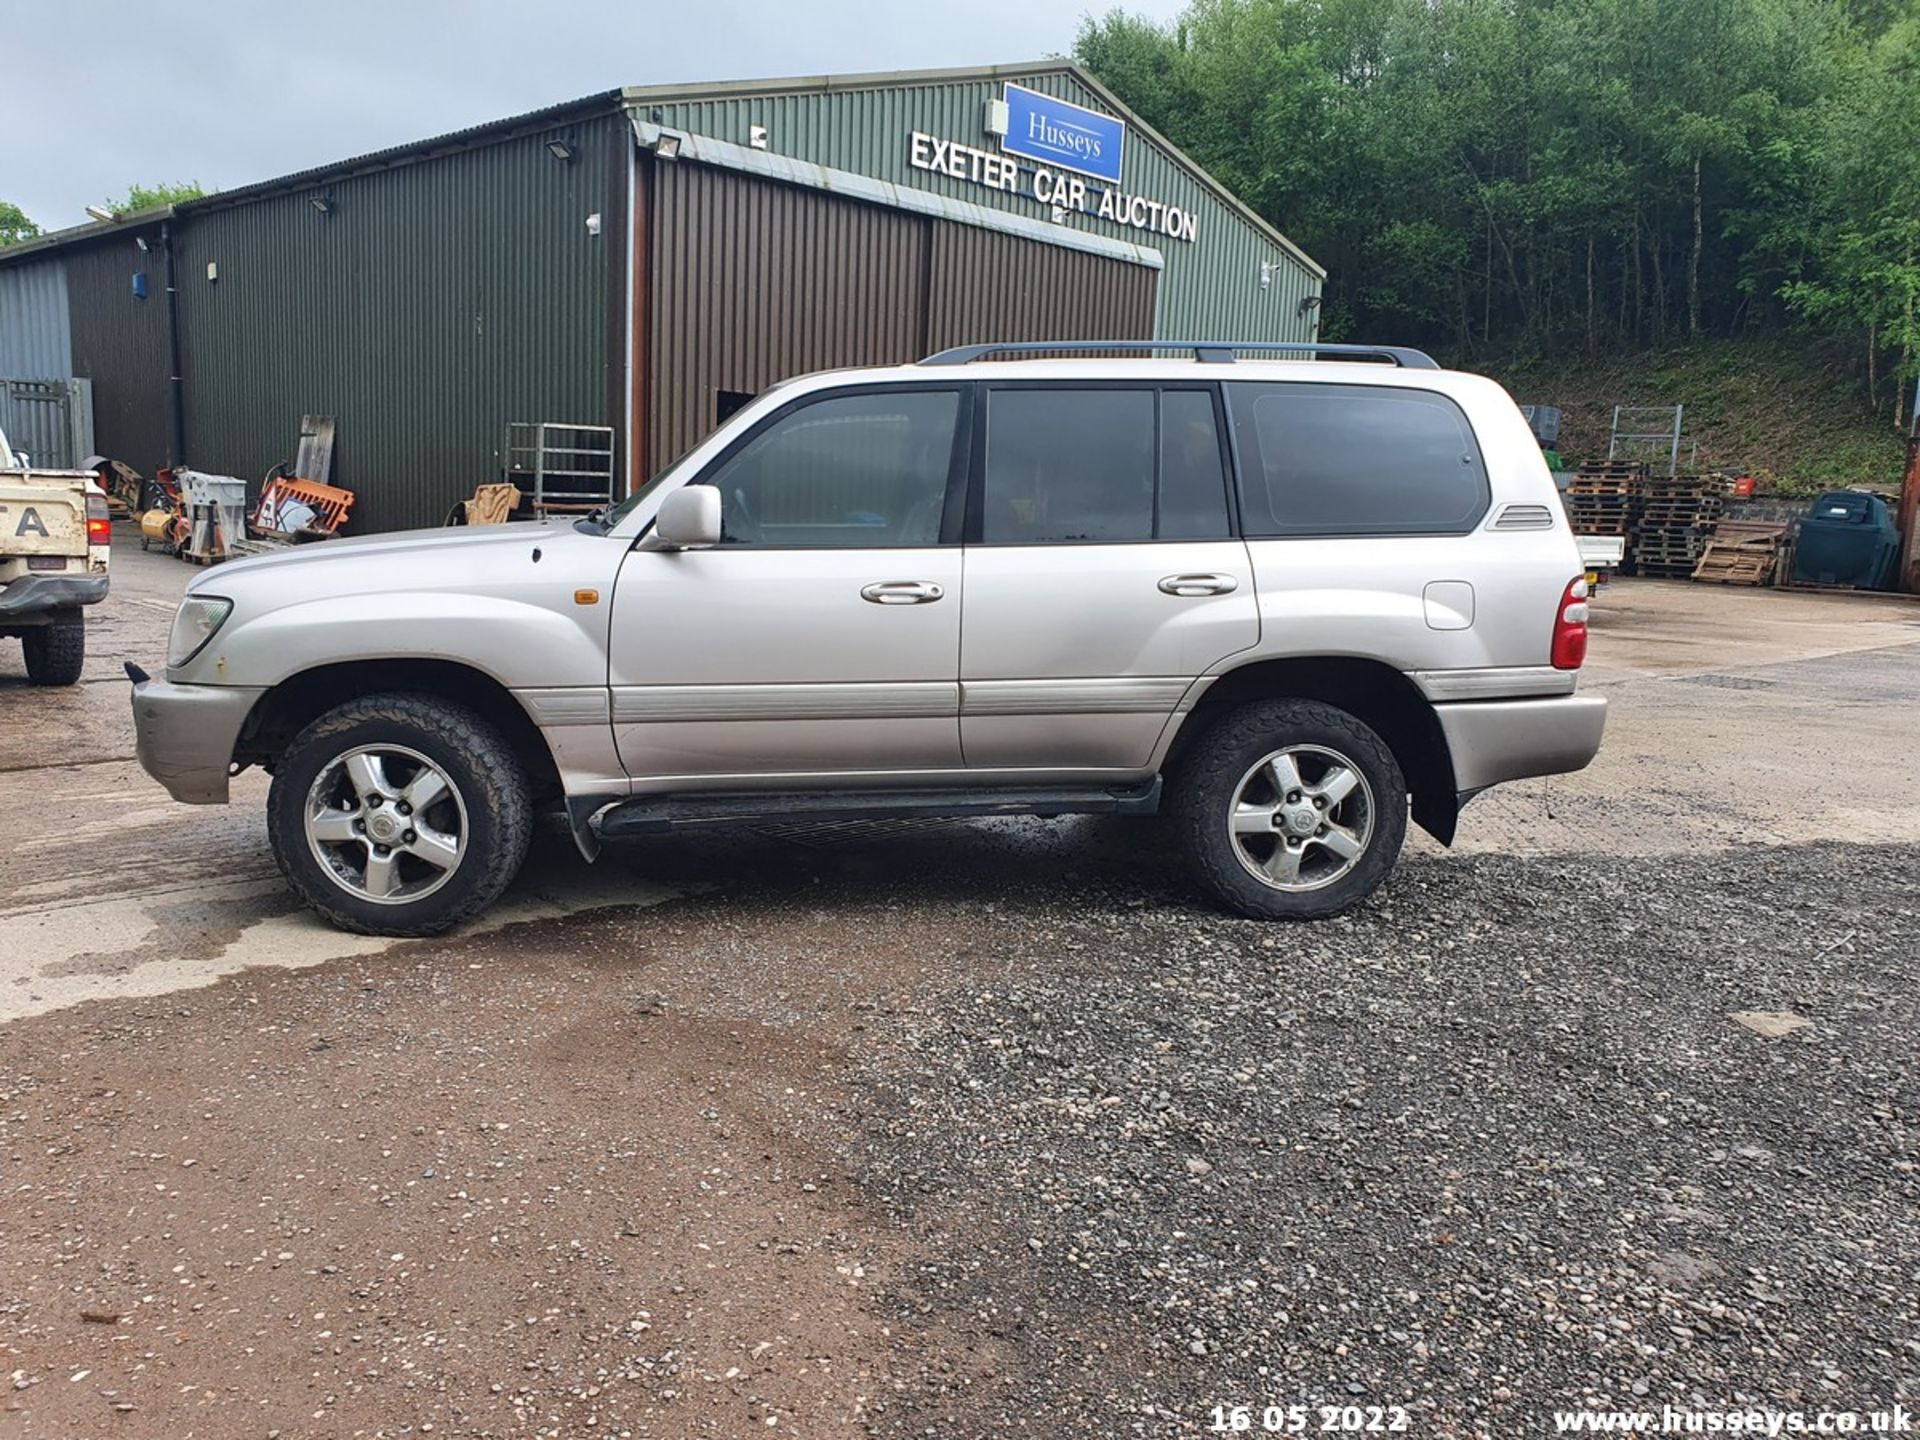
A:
1290, 809
399, 815
56, 653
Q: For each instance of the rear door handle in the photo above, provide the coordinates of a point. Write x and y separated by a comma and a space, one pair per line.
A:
1189, 585
901, 592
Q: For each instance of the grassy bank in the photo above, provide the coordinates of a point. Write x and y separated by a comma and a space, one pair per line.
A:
1796, 420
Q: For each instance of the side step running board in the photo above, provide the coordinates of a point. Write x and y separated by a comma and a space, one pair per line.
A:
655, 814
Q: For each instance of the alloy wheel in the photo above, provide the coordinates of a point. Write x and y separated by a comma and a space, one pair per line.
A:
386, 824
1302, 818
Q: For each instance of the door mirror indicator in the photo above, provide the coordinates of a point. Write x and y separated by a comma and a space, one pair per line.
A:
689, 518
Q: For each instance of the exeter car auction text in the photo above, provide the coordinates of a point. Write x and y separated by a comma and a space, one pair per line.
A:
1050, 187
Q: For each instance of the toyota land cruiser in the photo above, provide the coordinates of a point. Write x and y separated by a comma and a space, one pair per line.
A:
1287, 602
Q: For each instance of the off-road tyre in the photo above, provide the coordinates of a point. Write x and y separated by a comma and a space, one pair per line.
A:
56, 653
472, 754
1204, 786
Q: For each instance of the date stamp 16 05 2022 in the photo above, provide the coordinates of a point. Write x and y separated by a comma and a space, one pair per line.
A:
1309, 1420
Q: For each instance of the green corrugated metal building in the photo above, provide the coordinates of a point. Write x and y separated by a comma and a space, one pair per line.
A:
640, 260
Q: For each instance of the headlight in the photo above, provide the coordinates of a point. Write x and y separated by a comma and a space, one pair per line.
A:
194, 624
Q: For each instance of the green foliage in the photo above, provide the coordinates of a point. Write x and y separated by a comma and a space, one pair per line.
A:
151, 197
14, 225
1865, 147
1501, 176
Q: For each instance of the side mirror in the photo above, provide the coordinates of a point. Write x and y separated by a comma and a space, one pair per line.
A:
689, 518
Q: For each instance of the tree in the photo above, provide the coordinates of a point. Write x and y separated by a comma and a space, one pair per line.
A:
1529, 173
14, 225
151, 197
1862, 242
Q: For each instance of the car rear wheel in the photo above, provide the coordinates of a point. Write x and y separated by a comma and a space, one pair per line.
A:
1290, 809
399, 815
56, 653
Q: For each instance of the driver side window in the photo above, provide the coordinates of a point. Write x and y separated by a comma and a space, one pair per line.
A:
845, 471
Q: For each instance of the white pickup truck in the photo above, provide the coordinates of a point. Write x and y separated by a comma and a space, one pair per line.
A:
54, 534
1602, 555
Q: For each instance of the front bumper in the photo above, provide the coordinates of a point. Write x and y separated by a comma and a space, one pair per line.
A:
37, 595
184, 735
1496, 740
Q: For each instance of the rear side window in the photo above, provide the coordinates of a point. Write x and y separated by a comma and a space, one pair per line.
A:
1355, 460
1110, 465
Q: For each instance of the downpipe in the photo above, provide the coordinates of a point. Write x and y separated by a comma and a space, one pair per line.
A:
176, 383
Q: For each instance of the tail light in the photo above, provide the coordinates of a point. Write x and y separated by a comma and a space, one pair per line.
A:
1570, 626
99, 521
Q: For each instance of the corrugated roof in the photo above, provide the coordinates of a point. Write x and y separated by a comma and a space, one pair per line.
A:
638, 97
92, 230
409, 153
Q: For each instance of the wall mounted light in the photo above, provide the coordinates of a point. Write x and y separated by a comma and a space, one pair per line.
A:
1309, 304
322, 203
141, 241
667, 147
560, 150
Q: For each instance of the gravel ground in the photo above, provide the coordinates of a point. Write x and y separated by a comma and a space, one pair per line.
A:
989, 1129
1492, 1146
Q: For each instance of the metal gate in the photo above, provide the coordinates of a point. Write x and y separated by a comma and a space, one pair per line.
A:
49, 420
1652, 433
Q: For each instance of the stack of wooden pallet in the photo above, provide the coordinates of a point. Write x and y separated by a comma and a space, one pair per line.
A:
1601, 494
1742, 552
1677, 514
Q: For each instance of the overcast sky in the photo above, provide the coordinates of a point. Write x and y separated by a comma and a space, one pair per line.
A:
100, 94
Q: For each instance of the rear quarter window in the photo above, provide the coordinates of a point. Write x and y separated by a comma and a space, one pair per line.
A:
1355, 460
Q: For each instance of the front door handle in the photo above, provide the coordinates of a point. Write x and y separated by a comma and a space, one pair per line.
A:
1199, 585
901, 592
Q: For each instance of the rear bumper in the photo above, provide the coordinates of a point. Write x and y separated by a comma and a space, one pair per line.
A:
36, 595
1497, 740
184, 735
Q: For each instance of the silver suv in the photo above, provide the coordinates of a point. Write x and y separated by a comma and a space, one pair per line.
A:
1279, 602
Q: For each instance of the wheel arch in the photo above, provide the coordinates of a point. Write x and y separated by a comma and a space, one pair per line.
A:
1373, 692
295, 702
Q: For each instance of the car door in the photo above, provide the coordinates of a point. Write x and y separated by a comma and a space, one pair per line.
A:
1102, 573
821, 637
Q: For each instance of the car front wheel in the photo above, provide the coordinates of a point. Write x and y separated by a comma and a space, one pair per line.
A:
1290, 809
399, 815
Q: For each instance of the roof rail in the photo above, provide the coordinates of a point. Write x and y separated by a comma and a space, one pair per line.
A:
1215, 352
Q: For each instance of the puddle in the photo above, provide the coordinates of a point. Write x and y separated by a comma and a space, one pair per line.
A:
185, 937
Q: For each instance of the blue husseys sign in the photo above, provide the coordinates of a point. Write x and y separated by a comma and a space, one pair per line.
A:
1042, 128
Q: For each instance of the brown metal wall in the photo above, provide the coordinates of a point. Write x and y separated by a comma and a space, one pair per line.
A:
753, 281
991, 286
1908, 578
